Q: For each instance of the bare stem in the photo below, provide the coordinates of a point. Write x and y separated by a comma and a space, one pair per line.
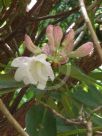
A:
11, 119
66, 120
89, 128
92, 32
97, 109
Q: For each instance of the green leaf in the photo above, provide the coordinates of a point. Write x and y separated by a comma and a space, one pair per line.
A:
7, 90
6, 3
96, 75
73, 132
7, 81
97, 120
1, 5
77, 131
67, 103
76, 73
40, 122
92, 97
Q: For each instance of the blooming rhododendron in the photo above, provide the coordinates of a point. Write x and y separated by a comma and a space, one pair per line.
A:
33, 70
36, 70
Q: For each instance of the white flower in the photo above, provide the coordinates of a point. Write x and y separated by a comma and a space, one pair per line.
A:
33, 70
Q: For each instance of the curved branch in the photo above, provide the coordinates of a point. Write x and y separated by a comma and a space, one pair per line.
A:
10, 118
92, 32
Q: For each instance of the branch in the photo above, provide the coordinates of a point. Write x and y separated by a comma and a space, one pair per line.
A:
97, 108
7, 13
92, 32
66, 120
11, 119
65, 13
17, 100
79, 38
89, 128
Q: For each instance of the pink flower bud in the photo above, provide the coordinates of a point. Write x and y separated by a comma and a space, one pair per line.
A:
30, 46
49, 32
58, 34
83, 50
46, 50
64, 58
68, 42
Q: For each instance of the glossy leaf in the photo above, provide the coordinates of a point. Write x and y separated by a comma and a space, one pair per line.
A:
7, 81
92, 97
40, 122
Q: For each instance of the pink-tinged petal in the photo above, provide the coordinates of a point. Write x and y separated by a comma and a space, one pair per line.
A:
46, 49
82, 51
68, 42
30, 46
64, 61
64, 58
58, 34
18, 62
49, 33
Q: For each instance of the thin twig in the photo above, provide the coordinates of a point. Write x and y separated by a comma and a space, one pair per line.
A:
11, 119
97, 108
80, 29
99, 133
6, 14
79, 38
65, 13
92, 32
63, 16
66, 120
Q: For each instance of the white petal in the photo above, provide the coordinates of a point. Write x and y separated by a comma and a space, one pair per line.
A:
37, 75
46, 68
36, 70
44, 71
17, 62
19, 74
33, 71
48, 72
23, 74
40, 73
41, 85
41, 57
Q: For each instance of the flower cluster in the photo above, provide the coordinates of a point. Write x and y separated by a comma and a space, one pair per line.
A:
36, 70
64, 48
